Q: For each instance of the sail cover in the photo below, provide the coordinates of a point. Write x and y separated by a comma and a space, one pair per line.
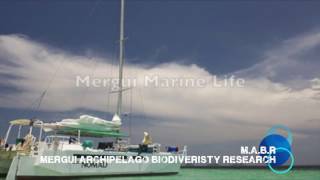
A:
88, 126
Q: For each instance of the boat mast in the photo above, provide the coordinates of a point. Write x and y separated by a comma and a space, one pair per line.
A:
121, 59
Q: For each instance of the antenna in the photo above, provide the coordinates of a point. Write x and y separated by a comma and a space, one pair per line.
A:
121, 59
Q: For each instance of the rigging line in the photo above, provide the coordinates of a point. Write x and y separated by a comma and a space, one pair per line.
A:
143, 108
94, 66
33, 105
142, 102
44, 92
113, 76
93, 70
55, 73
26, 111
41, 97
74, 62
130, 115
109, 96
71, 63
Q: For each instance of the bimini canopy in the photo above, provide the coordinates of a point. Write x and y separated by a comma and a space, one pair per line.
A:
21, 122
88, 126
25, 122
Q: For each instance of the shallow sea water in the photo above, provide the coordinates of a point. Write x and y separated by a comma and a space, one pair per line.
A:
228, 174
223, 174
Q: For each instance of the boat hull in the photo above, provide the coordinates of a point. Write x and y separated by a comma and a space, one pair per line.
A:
6, 158
29, 166
4, 166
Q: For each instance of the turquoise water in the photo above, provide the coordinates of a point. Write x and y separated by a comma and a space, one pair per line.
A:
226, 174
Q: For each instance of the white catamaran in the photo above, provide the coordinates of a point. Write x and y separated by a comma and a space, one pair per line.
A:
66, 143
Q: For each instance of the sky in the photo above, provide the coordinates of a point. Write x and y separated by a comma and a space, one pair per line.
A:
274, 46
